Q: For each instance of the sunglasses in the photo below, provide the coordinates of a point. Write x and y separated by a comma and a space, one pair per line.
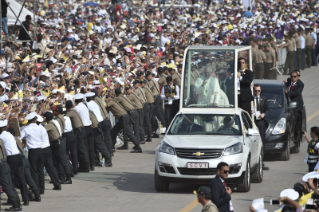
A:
293, 76
225, 172
242, 62
257, 90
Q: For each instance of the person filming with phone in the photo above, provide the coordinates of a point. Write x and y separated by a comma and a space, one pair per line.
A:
312, 150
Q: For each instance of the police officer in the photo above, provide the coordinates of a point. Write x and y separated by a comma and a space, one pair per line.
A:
96, 118
83, 111
80, 134
308, 50
141, 96
47, 157
5, 178
132, 112
26, 167
204, 194
58, 147
148, 109
14, 161
270, 63
106, 123
123, 124
290, 60
163, 73
260, 59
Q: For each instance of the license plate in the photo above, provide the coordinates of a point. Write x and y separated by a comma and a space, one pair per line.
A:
197, 165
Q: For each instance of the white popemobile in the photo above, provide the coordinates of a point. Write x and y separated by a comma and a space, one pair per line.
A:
210, 127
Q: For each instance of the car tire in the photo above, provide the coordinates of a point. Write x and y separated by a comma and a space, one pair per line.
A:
296, 148
257, 176
285, 155
159, 185
245, 186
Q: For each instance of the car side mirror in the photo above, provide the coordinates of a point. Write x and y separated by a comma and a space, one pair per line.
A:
252, 132
292, 105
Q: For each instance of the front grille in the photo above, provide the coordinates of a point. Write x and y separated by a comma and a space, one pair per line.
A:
205, 153
186, 171
270, 145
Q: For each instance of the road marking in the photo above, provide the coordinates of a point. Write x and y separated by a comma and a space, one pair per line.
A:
193, 204
190, 206
312, 116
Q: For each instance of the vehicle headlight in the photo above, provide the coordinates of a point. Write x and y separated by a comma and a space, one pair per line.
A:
234, 149
280, 127
165, 148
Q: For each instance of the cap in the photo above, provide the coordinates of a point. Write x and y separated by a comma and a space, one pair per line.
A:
143, 81
139, 73
48, 115
136, 81
4, 75
89, 94
3, 123
31, 116
3, 85
68, 104
118, 91
39, 98
148, 73
128, 87
39, 118
57, 108
78, 96
203, 190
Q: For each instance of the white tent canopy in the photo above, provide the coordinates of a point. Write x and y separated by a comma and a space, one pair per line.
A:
16, 7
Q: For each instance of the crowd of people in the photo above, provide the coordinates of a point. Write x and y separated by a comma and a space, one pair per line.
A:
81, 73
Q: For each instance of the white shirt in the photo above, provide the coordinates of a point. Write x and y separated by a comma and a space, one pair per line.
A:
170, 100
208, 93
10, 143
84, 114
68, 124
4, 98
95, 109
303, 42
34, 136
46, 141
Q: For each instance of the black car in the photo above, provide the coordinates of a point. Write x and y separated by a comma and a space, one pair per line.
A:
283, 135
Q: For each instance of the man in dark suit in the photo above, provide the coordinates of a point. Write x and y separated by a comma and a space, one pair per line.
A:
188, 125
227, 85
220, 192
245, 78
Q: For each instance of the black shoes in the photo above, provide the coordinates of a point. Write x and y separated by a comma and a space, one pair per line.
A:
137, 150
14, 208
124, 147
83, 170
57, 188
92, 168
26, 203
37, 199
149, 139
67, 181
108, 163
142, 142
155, 135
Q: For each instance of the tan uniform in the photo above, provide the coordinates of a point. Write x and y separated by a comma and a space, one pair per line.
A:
194, 76
75, 119
210, 207
117, 110
260, 57
53, 131
270, 55
290, 60
308, 50
308, 39
95, 122
298, 42
61, 121
148, 95
293, 43
135, 100
2, 150
100, 103
298, 52
125, 102
141, 94
176, 79
162, 80
154, 87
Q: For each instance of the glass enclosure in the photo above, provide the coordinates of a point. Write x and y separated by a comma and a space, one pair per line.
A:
209, 78
205, 124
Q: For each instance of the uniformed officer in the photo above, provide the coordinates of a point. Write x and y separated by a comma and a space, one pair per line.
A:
270, 63
298, 49
123, 124
176, 81
308, 47
260, 58
163, 73
132, 112
80, 134
5, 178
47, 157
26, 168
148, 109
204, 194
14, 161
290, 60
106, 123
83, 111
97, 119
58, 146
141, 95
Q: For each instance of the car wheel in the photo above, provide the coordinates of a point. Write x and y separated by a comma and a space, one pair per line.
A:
159, 185
257, 176
285, 155
245, 186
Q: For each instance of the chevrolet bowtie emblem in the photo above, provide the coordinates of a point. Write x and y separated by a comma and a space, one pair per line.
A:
198, 154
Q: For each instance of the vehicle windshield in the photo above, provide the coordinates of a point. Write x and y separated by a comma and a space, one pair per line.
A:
274, 97
209, 78
205, 124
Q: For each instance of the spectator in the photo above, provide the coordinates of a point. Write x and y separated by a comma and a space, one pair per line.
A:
4, 8
248, 13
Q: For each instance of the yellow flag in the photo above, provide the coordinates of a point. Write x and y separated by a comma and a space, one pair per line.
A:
46, 4
26, 59
101, 80
20, 94
45, 93
304, 199
15, 96
62, 89
64, 57
46, 71
72, 92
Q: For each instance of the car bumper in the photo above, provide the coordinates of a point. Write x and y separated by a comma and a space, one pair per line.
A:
174, 169
275, 143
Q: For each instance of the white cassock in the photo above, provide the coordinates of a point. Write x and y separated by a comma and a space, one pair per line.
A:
209, 93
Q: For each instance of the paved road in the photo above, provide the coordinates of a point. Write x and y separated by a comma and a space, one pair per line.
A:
129, 184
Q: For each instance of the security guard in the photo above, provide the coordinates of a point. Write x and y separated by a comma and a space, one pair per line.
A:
47, 157
14, 161
260, 58
26, 168
106, 123
96, 118
175, 76
5, 178
290, 60
163, 73
80, 134
148, 109
141, 96
58, 147
308, 50
270, 63
132, 112
123, 124
204, 194
83, 111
